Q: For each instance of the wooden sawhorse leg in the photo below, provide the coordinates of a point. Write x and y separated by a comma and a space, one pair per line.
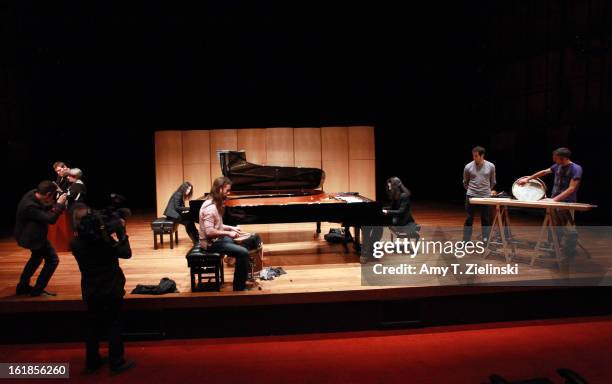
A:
548, 226
508, 228
498, 223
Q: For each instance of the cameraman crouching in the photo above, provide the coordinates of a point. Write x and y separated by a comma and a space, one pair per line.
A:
102, 283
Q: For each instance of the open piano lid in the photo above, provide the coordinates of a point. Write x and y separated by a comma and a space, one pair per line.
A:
247, 176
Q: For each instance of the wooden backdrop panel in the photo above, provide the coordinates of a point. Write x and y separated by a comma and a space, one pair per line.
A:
196, 160
279, 146
307, 147
362, 172
361, 143
168, 166
334, 143
334, 158
220, 139
196, 147
336, 175
168, 147
253, 141
362, 176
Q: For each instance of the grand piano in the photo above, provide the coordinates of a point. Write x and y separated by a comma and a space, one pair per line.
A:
267, 194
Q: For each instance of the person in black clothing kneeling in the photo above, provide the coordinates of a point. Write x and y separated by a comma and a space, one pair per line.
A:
97, 253
36, 210
176, 205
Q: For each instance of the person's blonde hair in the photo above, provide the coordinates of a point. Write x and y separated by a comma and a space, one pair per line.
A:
76, 172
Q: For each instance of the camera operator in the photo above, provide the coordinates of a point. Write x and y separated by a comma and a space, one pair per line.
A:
99, 244
36, 210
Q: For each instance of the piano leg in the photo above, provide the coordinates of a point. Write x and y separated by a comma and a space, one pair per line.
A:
347, 237
318, 228
357, 239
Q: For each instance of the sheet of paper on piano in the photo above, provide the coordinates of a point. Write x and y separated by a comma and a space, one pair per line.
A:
350, 199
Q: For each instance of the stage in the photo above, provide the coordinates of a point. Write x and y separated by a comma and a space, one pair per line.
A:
323, 279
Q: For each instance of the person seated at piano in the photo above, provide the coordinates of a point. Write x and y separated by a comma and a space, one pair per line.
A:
400, 212
399, 209
76, 190
176, 206
567, 179
219, 238
62, 183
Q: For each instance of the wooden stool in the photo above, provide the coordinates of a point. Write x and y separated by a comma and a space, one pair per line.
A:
161, 226
205, 265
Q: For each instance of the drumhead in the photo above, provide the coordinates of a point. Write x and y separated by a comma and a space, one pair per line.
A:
534, 190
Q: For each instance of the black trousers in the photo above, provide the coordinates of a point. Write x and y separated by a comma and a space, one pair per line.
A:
226, 246
46, 253
485, 219
190, 228
104, 319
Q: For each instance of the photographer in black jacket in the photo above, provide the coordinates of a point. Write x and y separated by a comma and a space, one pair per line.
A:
97, 247
36, 210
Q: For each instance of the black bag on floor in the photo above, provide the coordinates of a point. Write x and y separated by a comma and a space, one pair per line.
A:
338, 236
165, 285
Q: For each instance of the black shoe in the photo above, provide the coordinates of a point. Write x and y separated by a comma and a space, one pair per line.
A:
24, 289
122, 367
93, 368
36, 293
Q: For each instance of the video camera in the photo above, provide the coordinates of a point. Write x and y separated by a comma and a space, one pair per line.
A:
102, 224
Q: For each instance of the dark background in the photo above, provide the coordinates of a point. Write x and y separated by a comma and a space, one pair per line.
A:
89, 82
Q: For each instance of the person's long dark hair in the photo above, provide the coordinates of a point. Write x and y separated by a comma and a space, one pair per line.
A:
395, 188
183, 189
215, 192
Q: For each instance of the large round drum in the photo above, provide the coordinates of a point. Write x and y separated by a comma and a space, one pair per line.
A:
534, 190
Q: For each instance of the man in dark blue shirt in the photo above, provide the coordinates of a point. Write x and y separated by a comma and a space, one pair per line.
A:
568, 176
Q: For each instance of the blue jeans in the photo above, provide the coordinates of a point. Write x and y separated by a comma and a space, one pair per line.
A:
226, 246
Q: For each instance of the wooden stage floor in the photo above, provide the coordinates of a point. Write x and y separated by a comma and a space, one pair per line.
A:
316, 270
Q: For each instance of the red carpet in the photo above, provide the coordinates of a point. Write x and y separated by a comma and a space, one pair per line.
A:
466, 354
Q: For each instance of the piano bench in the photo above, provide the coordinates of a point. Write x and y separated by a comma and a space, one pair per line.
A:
204, 265
162, 226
